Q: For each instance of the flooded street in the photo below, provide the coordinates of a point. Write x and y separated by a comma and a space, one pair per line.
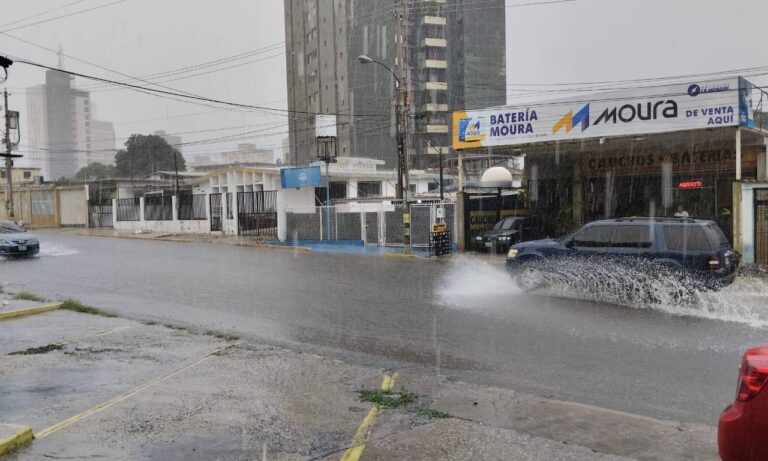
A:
463, 318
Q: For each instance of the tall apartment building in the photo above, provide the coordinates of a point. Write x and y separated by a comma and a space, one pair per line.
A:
454, 59
59, 128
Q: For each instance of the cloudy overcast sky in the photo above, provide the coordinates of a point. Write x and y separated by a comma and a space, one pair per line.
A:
580, 41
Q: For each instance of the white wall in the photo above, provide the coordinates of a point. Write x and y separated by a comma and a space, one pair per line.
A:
174, 226
72, 207
748, 220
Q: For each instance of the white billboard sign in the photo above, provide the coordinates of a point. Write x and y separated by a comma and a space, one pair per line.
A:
325, 126
657, 109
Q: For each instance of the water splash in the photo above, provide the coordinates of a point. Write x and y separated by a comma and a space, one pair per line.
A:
56, 249
470, 279
643, 286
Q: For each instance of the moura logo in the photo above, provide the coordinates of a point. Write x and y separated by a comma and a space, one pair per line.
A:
570, 121
640, 111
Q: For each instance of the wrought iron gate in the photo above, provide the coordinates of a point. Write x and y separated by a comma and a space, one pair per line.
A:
761, 226
215, 204
257, 213
100, 213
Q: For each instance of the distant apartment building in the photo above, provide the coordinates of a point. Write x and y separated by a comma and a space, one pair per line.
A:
60, 128
171, 139
247, 154
454, 55
103, 142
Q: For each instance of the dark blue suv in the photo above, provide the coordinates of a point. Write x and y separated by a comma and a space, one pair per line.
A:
691, 249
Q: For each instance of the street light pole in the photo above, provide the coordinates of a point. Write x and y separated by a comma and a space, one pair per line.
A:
403, 177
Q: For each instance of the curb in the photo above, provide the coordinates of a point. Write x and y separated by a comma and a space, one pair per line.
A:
22, 436
401, 256
29, 311
300, 249
275, 247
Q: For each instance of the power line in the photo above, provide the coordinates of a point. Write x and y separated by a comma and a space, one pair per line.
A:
190, 96
203, 65
43, 21
43, 13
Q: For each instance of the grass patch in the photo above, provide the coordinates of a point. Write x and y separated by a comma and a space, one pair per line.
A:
76, 306
39, 350
387, 399
27, 296
432, 413
224, 336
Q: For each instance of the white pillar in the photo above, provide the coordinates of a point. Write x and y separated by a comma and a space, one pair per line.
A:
114, 213
208, 212
141, 209
738, 154
282, 228
175, 210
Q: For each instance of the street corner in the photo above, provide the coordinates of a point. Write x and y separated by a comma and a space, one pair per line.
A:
13, 436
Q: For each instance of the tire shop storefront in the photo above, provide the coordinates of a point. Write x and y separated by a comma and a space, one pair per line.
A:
638, 152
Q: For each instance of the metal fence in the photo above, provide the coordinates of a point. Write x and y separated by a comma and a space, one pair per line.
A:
215, 204
376, 224
158, 208
761, 226
192, 207
128, 209
100, 213
257, 213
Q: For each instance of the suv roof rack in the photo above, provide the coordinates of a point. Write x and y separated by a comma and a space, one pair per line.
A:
655, 218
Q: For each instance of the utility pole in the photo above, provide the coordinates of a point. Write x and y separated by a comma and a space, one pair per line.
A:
403, 180
8, 160
176, 172
440, 157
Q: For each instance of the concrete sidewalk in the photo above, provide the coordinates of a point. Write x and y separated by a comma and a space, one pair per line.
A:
504, 424
93, 386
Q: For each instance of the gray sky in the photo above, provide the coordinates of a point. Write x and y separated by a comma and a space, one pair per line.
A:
582, 41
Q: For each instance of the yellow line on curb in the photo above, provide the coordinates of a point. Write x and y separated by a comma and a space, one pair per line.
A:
104, 405
29, 311
360, 439
22, 436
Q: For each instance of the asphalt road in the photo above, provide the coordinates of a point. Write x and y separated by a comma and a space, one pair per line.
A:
463, 318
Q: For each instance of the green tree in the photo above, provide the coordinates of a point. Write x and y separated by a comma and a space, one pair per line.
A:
144, 155
96, 170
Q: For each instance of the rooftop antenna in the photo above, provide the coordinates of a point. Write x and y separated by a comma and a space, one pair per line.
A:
60, 54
